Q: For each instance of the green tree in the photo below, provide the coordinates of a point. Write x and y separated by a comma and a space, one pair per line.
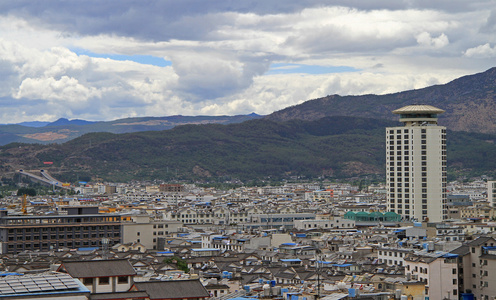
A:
26, 191
180, 263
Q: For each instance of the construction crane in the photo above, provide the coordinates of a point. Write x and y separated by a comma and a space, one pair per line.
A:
24, 204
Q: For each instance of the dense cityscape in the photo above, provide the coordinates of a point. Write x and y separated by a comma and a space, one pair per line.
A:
247, 150
297, 240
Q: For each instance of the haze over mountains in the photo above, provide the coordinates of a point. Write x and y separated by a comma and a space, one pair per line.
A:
64, 130
334, 136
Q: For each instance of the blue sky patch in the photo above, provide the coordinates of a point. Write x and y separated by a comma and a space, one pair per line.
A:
307, 69
141, 59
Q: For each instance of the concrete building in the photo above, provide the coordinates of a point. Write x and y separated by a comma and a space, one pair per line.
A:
392, 256
491, 193
438, 270
416, 165
479, 266
82, 227
142, 229
334, 223
101, 276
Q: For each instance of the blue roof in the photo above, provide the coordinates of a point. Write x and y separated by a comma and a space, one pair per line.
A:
342, 265
450, 255
289, 244
88, 248
291, 260
3, 274
205, 249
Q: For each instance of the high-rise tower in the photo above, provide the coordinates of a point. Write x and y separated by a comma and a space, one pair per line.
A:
416, 165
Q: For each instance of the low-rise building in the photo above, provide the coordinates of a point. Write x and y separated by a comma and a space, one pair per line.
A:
101, 276
438, 270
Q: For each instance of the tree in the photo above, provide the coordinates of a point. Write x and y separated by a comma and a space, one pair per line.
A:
180, 263
26, 191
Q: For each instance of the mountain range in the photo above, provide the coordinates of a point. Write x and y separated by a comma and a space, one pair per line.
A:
469, 102
335, 136
64, 130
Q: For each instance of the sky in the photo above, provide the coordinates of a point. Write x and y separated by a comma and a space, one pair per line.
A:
104, 60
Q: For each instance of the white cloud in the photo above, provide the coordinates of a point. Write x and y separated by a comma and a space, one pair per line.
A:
425, 39
482, 51
220, 54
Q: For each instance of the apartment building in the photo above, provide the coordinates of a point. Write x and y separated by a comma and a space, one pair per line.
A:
491, 193
438, 270
147, 231
480, 268
334, 223
416, 165
81, 227
392, 256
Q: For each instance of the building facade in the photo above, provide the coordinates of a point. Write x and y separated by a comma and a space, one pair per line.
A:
146, 231
416, 165
491, 193
438, 270
83, 227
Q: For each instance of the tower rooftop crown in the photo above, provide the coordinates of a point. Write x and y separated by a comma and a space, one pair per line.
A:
418, 109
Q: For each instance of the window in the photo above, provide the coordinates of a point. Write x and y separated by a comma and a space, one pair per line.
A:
103, 280
87, 281
122, 279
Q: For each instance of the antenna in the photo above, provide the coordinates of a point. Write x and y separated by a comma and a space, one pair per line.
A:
105, 244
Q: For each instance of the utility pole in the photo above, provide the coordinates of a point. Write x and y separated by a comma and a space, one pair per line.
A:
318, 265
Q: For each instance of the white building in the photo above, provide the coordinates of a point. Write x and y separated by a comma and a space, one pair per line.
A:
392, 256
334, 223
491, 193
416, 165
438, 270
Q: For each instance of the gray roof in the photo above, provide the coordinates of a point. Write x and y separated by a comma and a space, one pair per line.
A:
175, 289
98, 268
462, 250
119, 295
480, 241
418, 109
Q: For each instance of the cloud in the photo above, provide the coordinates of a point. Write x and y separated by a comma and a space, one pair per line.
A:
95, 60
425, 39
482, 51
212, 75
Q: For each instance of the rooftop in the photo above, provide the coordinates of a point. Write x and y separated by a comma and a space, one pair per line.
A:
418, 109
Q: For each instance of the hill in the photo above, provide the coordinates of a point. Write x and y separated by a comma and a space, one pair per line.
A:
337, 147
469, 102
64, 130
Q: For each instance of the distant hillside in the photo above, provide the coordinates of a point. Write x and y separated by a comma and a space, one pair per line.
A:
469, 102
65, 122
337, 147
64, 130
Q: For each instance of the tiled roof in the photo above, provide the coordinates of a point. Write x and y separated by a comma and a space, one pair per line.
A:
175, 289
419, 109
98, 268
